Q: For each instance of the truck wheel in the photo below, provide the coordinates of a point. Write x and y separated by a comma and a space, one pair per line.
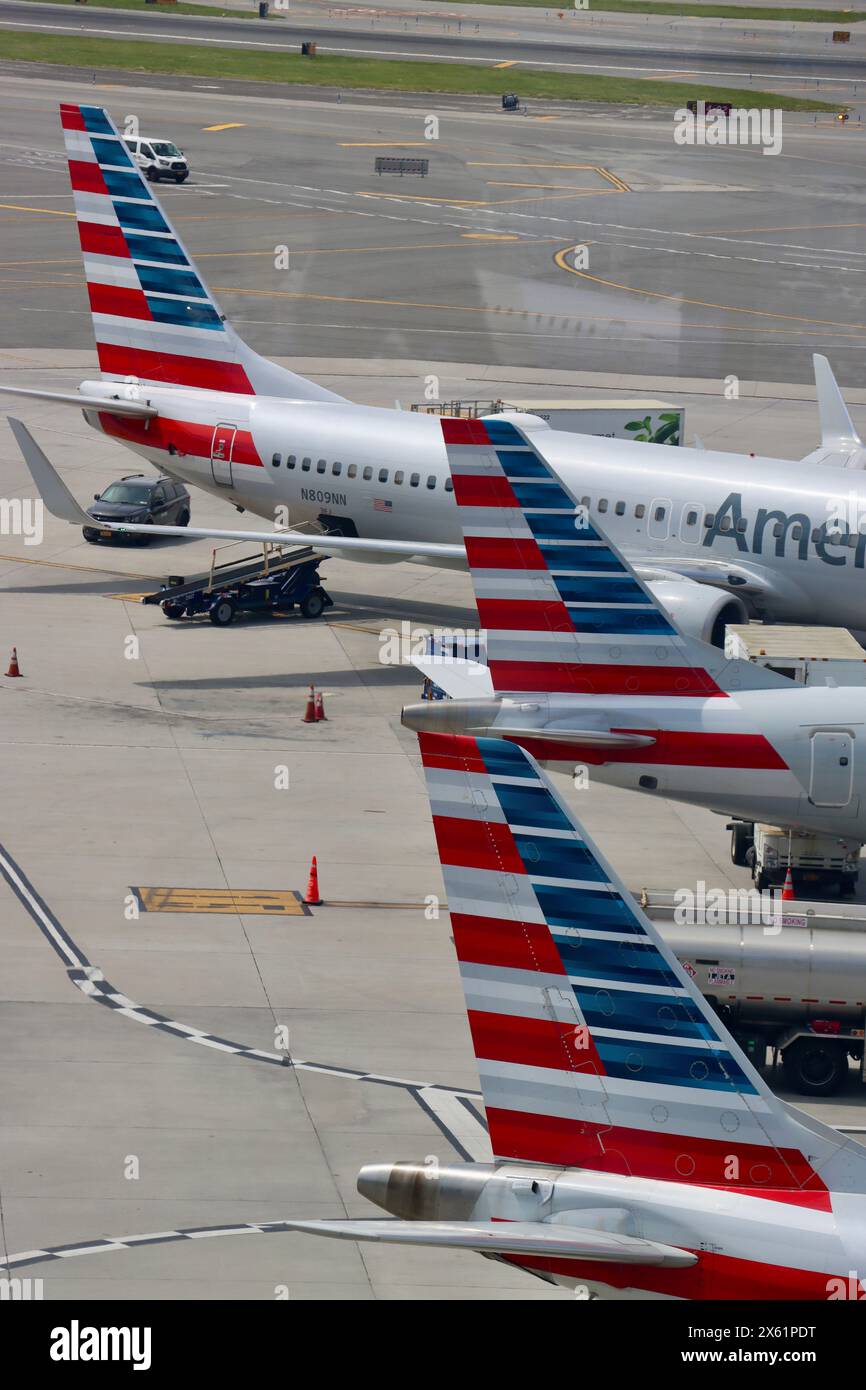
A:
174, 611
90, 535
313, 605
221, 612
741, 839
815, 1066
152, 175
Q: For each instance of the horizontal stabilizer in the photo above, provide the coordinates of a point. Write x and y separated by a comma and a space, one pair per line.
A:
112, 406
506, 1238
587, 738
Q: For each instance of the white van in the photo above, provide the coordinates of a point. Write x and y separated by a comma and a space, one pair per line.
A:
159, 159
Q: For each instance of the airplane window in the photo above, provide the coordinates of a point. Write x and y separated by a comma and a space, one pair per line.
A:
796, 533
276, 460
585, 501
336, 469
709, 520
777, 530
726, 523
640, 510
352, 470
660, 514
431, 480
415, 480
449, 485
602, 504
620, 508
321, 466
383, 475
291, 460
691, 518
367, 474
742, 524
398, 476
305, 465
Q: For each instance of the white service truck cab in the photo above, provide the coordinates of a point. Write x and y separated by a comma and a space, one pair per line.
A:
158, 159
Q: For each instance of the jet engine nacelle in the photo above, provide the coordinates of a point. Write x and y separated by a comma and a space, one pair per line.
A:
700, 610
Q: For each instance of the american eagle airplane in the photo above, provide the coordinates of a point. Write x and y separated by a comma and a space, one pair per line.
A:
586, 666
638, 1153
719, 536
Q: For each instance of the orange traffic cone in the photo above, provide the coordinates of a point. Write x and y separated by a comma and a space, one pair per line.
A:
320, 707
13, 664
788, 890
310, 711
312, 898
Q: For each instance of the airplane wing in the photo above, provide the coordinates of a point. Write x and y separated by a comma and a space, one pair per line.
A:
109, 405
60, 502
506, 1238
841, 445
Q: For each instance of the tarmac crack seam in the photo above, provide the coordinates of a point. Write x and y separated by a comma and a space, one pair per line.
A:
443, 1104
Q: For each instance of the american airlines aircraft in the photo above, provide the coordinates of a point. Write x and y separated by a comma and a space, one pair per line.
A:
637, 1151
718, 536
586, 666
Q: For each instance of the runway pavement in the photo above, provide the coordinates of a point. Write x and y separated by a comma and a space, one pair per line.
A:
698, 262
177, 1084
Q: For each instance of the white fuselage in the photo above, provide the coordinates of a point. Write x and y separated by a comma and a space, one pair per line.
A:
382, 474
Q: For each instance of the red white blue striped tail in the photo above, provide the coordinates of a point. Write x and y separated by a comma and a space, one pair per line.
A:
153, 316
563, 610
595, 1049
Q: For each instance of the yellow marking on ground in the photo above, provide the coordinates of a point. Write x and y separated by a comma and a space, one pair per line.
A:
511, 63
243, 900
559, 260
522, 164
563, 187
82, 569
130, 598
46, 212
229, 125
794, 227
504, 310
612, 178
383, 144
545, 118
488, 236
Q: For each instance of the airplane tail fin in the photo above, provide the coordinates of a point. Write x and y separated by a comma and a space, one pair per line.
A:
153, 316
563, 609
594, 1047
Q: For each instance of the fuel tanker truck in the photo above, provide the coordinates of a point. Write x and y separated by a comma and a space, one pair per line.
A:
799, 990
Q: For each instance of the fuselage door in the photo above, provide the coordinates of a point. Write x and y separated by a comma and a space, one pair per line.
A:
221, 448
832, 770
659, 518
691, 523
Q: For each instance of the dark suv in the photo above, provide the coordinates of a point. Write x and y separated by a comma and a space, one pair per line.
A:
152, 501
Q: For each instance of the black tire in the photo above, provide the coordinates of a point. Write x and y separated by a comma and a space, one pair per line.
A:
152, 176
848, 886
741, 839
815, 1066
91, 536
175, 611
183, 519
760, 880
221, 612
181, 178
313, 605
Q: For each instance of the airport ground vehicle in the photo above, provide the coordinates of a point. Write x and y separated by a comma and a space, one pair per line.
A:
796, 989
806, 655
158, 159
816, 861
138, 498
249, 586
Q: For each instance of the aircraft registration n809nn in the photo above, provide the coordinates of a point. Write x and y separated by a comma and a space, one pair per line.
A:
719, 536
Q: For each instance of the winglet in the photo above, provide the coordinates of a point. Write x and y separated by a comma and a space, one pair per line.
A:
837, 428
51, 487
